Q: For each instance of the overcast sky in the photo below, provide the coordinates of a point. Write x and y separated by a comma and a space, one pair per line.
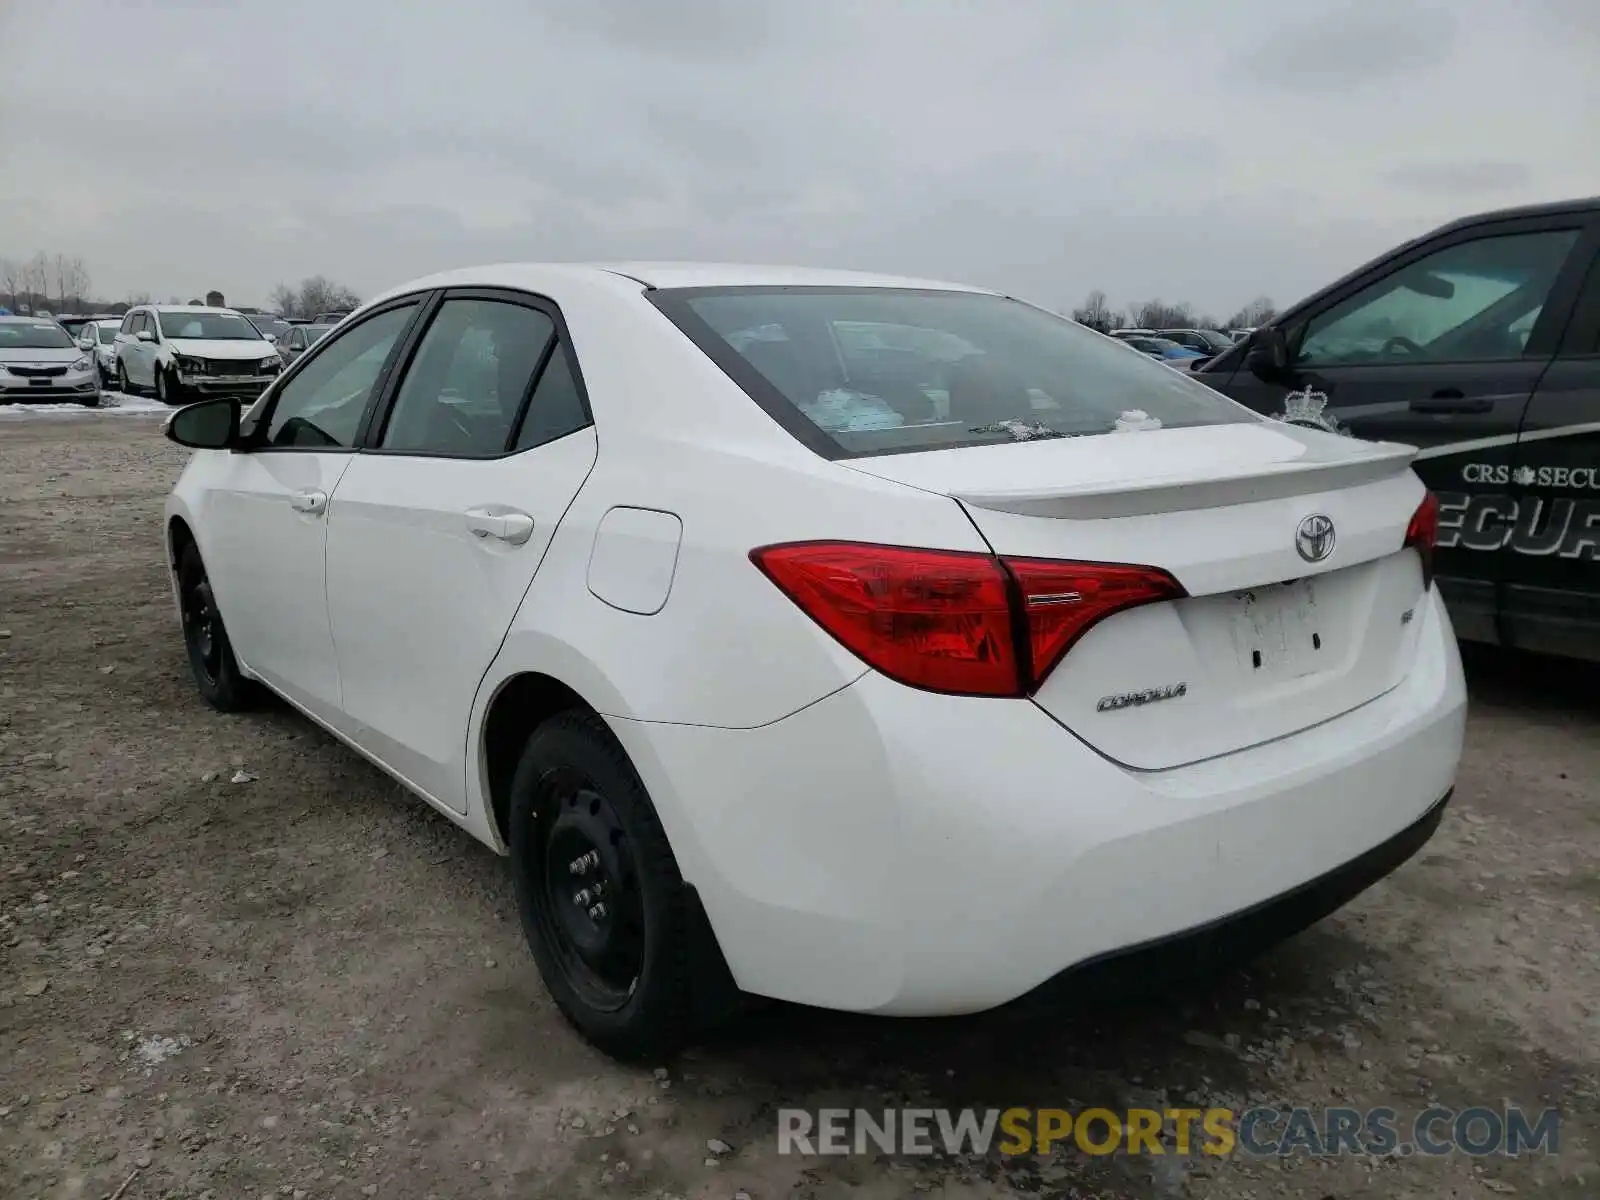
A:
1207, 152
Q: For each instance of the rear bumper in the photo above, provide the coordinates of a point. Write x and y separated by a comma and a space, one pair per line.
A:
1237, 938
889, 850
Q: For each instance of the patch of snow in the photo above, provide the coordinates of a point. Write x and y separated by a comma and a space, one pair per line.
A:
111, 403
153, 1051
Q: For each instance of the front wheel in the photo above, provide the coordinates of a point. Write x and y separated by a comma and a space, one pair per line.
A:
168, 389
216, 671
124, 384
91, 401
599, 892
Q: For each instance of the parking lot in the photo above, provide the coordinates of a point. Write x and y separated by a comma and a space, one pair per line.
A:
237, 961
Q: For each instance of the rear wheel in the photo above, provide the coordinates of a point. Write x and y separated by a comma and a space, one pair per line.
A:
216, 671
598, 889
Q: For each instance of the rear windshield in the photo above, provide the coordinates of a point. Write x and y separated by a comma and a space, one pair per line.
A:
856, 371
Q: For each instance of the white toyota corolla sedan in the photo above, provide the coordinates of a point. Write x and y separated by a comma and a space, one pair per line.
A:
873, 643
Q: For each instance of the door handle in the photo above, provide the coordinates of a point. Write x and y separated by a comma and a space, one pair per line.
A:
310, 501
511, 526
1452, 400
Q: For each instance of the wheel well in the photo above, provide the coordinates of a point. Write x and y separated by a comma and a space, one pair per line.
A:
521, 706
178, 536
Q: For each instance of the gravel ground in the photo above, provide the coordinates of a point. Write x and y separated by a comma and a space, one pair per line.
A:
303, 983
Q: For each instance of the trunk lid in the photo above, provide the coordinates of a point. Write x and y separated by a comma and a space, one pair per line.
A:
1266, 643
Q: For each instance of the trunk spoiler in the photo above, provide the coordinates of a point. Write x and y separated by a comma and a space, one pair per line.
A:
1203, 488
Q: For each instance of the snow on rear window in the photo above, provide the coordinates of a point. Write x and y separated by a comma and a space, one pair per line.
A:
880, 370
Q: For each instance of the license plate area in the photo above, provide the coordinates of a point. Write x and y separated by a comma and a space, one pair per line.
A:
1278, 633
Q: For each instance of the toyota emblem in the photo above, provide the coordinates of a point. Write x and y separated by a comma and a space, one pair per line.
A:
1314, 538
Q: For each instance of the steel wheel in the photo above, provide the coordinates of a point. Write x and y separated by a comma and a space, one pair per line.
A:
202, 623
590, 909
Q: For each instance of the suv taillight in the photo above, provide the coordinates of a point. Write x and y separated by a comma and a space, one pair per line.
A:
953, 621
1422, 535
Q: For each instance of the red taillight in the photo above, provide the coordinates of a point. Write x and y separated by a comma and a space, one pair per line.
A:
1063, 599
1422, 535
946, 620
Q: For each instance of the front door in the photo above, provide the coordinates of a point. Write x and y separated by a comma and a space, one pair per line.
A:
1440, 349
436, 529
268, 563
1552, 581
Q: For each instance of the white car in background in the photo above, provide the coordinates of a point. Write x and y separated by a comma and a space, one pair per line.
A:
180, 351
40, 363
98, 338
870, 643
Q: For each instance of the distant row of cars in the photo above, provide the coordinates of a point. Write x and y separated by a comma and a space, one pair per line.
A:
1181, 348
180, 352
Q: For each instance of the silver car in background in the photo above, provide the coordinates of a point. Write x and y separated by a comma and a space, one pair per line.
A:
298, 339
40, 363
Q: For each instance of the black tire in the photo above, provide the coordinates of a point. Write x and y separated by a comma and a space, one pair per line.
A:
168, 390
124, 384
215, 669
575, 787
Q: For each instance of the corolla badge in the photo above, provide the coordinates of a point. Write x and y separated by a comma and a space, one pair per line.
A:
1314, 539
1155, 695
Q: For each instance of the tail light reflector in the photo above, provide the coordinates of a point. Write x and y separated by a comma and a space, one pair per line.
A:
1422, 535
955, 621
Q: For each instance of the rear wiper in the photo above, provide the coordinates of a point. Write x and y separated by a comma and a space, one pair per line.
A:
1022, 431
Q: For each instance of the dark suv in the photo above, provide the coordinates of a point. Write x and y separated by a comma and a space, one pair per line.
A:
1479, 343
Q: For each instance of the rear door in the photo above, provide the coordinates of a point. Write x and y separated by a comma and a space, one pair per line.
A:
1551, 519
1440, 348
438, 526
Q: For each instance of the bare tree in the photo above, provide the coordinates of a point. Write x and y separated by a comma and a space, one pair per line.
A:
10, 280
36, 282
1158, 314
1258, 312
1096, 313
315, 295
76, 285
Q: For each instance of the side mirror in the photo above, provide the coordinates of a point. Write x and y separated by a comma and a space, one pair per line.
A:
1267, 355
144, 335
208, 425
85, 343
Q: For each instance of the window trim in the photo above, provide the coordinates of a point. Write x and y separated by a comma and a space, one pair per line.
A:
1542, 338
256, 442
377, 419
1584, 320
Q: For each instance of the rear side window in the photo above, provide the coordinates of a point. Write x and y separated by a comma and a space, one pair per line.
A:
856, 371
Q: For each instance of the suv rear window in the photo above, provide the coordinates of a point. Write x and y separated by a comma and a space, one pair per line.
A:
862, 370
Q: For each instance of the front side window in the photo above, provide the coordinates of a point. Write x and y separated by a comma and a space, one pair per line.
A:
884, 370
322, 404
464, 389
1474, 301
208, 326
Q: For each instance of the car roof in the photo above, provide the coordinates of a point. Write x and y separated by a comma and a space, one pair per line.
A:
193, 308
535, 275
1550, 208
21, 319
